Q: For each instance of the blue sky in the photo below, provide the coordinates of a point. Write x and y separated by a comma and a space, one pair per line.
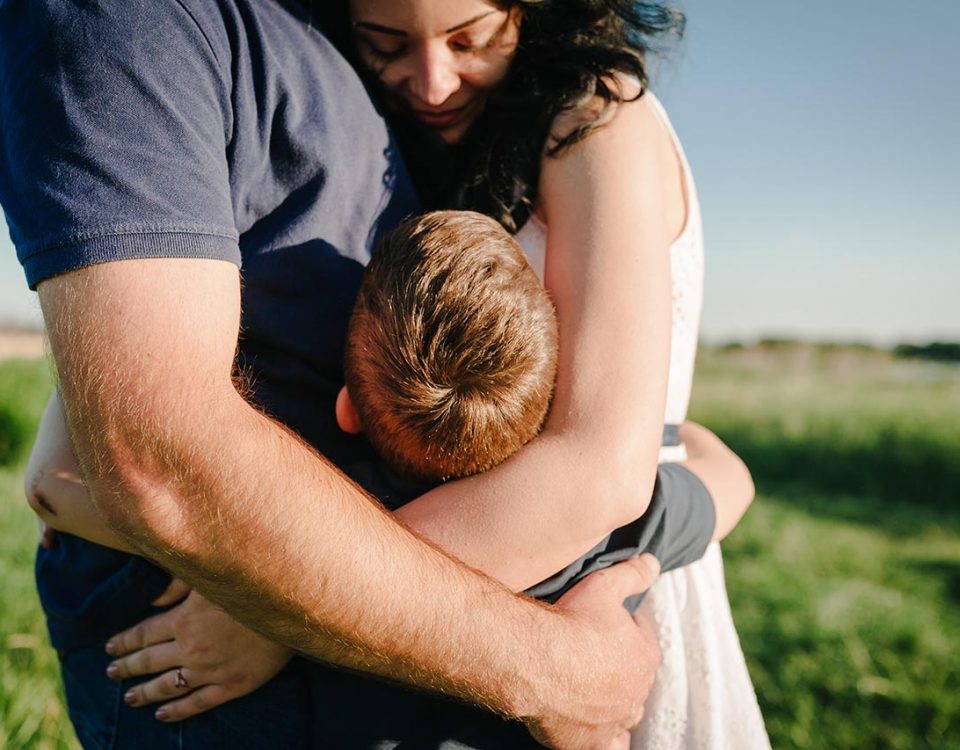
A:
825, 142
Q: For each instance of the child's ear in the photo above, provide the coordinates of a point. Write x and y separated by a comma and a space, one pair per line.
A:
347, 416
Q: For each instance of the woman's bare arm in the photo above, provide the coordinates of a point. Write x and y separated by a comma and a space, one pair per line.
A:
54, 488
612, 203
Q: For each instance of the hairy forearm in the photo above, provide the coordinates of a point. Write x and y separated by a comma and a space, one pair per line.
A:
59, 497
238, 507
287, 545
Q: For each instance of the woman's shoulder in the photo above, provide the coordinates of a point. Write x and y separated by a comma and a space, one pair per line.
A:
626, 141
628, 102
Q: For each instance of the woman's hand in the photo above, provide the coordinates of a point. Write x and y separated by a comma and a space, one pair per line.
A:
202, 658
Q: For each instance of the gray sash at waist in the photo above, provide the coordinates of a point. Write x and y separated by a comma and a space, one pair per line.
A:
671, 434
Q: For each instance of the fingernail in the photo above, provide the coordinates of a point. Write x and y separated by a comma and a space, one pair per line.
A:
113, 671
110, 648
130, 696
161, 714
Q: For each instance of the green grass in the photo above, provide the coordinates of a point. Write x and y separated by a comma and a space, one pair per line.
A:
24, 388
844, 577
837, 419
851, 632
30, 704
31, 708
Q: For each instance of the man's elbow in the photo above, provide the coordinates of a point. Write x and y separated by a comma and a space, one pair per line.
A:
141, 451
134, 498
132, 481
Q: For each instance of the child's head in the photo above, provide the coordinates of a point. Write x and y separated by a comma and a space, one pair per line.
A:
451, 352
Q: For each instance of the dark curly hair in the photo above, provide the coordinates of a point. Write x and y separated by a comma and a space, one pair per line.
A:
568, 50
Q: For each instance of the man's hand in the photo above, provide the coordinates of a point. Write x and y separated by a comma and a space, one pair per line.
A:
618, 661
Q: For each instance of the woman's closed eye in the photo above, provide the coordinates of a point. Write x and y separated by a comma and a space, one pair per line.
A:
476, 40
385, 52
473, 44
395, 52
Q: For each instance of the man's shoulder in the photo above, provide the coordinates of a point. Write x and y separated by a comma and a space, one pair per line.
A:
126, 20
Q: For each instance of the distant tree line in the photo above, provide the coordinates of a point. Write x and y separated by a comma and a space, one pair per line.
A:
938, 351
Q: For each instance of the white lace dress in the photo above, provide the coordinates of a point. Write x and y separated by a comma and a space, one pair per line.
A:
703, 697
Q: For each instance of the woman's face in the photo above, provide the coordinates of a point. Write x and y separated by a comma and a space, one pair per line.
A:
438, 58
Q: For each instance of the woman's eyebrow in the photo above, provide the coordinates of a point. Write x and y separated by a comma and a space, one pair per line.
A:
378, 28
470, 22
370, 26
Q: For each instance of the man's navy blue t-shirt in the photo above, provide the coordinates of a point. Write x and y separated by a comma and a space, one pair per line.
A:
220, 129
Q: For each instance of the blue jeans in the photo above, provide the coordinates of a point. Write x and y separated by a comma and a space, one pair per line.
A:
277, 715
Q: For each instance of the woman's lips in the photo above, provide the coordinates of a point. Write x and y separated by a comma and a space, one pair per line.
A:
442, 119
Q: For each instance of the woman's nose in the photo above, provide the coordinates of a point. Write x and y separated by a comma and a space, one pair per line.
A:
435, 76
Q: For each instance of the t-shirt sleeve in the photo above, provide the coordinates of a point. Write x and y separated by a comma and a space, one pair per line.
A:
115, 125
687, 517
676, 529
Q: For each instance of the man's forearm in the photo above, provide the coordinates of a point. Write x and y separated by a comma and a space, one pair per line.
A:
291, 548
228, 500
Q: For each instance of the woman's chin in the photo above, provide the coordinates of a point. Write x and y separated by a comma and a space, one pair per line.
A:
453, 132
452, 135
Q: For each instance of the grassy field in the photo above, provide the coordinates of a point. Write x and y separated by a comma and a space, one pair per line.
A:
31, 710
844, 577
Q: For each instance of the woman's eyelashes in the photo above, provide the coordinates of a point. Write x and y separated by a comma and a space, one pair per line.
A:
471, 45
395, 52
385, 54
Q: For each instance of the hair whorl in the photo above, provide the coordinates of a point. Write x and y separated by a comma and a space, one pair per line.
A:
451, 350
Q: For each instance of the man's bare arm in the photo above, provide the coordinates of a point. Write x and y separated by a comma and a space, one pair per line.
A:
185, 470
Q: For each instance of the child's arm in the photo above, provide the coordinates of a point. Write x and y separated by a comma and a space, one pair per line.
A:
694, 502
725, 476
54, 488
